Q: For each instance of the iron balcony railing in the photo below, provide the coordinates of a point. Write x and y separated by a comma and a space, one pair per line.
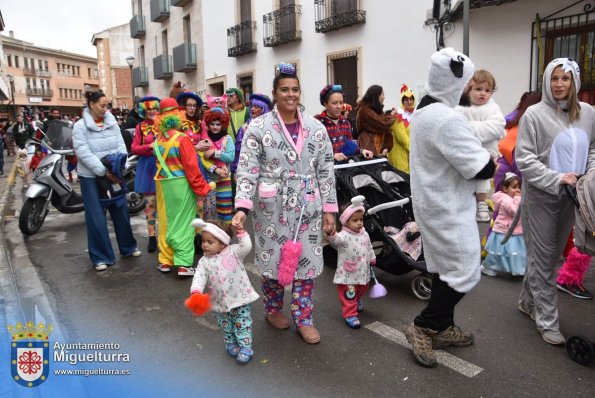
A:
184, 57
240, 39
137, 27
160, 10
336, 14
280, 26
162, 67
29, 71
40, 92
180, 3
140, 76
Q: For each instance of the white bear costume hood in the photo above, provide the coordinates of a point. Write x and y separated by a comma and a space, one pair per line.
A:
450, 71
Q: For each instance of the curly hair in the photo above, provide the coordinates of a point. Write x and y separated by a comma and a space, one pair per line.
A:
217, 114
170, 120
144, 106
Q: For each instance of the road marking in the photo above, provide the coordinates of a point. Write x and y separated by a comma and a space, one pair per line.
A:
444, 358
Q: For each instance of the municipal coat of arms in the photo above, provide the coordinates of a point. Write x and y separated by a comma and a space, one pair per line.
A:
30, 353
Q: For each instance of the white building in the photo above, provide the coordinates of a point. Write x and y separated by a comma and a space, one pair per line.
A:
356, 43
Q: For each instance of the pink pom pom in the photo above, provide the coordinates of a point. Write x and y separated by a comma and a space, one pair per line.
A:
290, 256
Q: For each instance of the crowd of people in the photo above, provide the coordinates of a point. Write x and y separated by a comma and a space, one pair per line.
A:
206, 167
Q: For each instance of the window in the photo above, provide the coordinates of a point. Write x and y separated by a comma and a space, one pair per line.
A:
16, 61
139, 6
343, 71
28, 83
187, 30
26, 62
245, 83
61, 93
9, 60
34, 81
45, 63
40, 64
141, 53
89, 72
164, 42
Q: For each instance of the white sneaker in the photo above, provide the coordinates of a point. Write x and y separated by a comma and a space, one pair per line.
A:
100, 267
483, 212
487, 271
553, 337
185, 271
137, 253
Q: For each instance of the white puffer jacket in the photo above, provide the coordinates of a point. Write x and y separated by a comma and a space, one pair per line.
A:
92, 143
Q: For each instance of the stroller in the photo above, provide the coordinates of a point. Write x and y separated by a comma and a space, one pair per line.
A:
388, 210
579, 348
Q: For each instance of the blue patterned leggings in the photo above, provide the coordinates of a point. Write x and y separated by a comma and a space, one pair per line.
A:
236, 326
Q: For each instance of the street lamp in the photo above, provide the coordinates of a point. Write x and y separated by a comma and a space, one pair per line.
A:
14, 111
130, 62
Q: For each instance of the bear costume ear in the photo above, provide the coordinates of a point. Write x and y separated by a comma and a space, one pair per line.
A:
456, 66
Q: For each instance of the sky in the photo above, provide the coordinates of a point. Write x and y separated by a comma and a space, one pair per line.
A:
65, 25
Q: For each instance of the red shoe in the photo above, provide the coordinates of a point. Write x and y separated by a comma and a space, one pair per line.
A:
164, 267
185, 271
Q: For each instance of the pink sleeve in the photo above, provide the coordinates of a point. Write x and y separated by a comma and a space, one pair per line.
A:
137, 148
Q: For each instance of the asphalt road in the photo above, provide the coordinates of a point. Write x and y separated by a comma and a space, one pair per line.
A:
134, 305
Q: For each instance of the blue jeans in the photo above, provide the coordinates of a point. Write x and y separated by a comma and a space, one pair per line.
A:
98, 240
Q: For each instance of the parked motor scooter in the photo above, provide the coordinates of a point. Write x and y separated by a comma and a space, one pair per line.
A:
51, 186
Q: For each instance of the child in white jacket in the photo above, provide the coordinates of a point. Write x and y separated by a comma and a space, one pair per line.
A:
355, 255
487, 123
222, 274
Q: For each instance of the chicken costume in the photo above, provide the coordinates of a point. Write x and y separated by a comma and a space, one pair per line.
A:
398, 157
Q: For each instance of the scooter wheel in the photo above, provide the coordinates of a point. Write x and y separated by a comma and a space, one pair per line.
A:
32, 215
421, 286
580, 350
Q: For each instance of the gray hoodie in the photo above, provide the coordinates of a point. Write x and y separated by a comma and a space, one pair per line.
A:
548, 145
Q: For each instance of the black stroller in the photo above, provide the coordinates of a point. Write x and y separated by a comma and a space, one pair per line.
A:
579, 348
388, 207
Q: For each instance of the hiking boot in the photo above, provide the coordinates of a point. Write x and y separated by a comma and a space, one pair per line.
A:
421, 342
553, 337
575, 291
454, 336
483, 212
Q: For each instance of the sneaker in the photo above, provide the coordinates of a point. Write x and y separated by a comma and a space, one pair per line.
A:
185, 271
487, 271
137, 253
527, 312
483, 212
152, 246
453, 336
164, 267
100, 267
575, 291
553, 337
421, 342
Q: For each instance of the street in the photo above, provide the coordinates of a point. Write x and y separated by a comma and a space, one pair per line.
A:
173, 352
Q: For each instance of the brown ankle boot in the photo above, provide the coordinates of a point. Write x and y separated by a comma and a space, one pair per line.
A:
309, 334
277, 320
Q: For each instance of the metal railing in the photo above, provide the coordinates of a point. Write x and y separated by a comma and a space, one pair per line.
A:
336, 14
137, 27
280, 26
162, 67
160, 10
41, 92
184, 57
140, 76
240, 39
179, 3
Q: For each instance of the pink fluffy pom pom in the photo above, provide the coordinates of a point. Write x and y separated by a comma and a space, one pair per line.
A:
290, 256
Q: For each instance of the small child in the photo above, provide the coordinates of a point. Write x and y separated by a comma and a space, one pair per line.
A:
510, 257
22, 166
222, 273
487, 122
71, 162
36, 159
355, 257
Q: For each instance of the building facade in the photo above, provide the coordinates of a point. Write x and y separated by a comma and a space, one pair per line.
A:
45, 78
114, 45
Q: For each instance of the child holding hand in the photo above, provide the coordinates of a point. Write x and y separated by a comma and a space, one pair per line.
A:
355, 251
221, 275
511, 257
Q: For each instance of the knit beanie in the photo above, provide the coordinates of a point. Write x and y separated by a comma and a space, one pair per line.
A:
237, 92
357, 204
450, 71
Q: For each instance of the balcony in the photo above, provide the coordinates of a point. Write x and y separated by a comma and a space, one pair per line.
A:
337, 14
140, 76
240, 39
184, 57
40, 92
159, 10
29, 71
162, 67
137, 27
280, 26
179, 3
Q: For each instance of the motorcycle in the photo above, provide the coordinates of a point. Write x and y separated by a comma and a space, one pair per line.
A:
51, 186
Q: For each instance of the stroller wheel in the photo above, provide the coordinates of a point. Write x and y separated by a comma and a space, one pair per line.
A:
422, 287
580, 350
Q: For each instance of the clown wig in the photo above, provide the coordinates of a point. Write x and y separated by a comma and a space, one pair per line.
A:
144, 106
261, 104
169, 120
217, 114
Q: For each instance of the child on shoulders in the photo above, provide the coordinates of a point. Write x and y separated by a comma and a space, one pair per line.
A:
510, 257
356, 254
221, 273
